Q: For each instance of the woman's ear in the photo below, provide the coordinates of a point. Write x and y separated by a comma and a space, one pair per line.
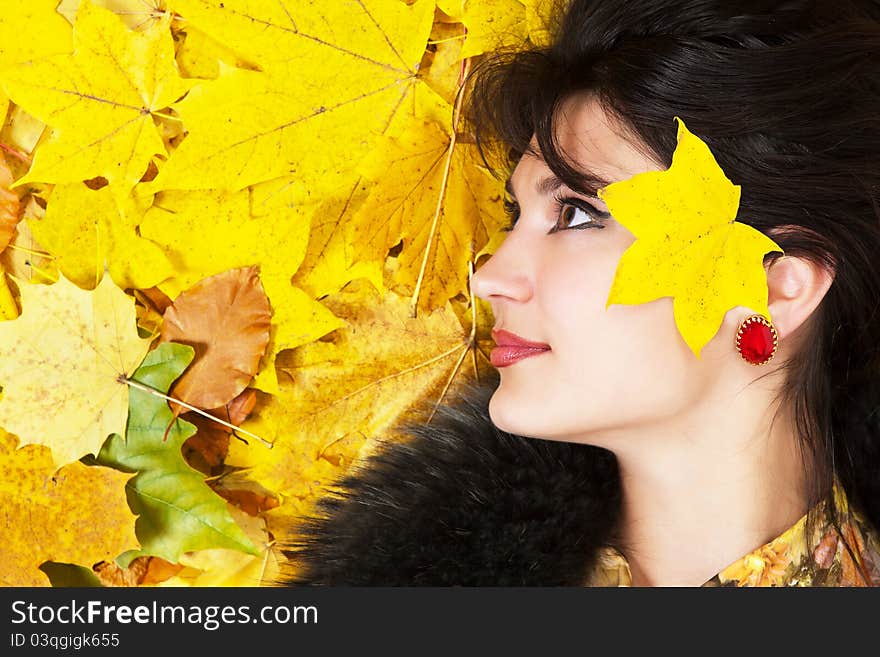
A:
795, 287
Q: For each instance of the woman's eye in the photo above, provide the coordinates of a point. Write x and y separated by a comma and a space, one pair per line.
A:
567, 211
568, 216
578, 214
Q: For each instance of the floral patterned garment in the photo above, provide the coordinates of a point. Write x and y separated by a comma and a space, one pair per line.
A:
786, 560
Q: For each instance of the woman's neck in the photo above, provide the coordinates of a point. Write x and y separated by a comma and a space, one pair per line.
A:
696, 500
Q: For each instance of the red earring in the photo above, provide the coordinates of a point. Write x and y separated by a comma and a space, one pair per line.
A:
756, 340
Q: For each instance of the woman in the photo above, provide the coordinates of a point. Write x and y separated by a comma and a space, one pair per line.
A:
614, 456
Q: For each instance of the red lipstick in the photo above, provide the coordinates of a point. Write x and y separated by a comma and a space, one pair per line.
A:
512, 348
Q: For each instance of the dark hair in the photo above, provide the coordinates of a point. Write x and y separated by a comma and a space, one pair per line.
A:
787, 96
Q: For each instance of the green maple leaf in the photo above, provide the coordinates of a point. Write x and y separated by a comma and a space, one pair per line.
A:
177, 511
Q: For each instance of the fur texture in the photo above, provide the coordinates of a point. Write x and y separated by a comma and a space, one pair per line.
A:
459, 502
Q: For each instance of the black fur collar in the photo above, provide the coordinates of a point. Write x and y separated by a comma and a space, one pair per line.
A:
462, 503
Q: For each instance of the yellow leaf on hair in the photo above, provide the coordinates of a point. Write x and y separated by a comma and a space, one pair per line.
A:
688, 245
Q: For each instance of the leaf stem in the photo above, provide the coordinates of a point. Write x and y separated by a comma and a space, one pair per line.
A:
42, 254
432, 42
15, 153
167, 116
449, 379
153, 391
23, 281
441, 196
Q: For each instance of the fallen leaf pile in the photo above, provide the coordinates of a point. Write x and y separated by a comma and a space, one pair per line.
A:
235, 246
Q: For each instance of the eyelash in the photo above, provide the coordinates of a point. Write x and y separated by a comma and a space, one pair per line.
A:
559, 203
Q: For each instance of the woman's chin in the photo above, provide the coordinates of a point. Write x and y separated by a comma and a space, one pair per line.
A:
515, 415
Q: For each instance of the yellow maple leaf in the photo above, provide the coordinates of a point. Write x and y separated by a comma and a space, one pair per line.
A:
409, 179
539, 14
206, 232
76, 514
452, 8
85, 228
25, 258
19, 42
199, 55
337, 396
688, 243
500, 24
493, 24
320, 96
62, 363
327, 264
99, 100
441, 66
136, 14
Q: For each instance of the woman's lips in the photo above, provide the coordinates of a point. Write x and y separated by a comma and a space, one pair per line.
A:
504, 356
512, 348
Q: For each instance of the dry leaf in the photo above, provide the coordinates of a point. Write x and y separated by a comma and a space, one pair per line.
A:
142, 571
10, 207
63, 369
237, 488
339, 394
225, 318
77, 514
206, 450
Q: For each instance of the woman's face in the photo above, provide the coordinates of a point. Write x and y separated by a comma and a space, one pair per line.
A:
619, 368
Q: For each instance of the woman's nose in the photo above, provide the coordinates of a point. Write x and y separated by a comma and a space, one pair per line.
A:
504, 274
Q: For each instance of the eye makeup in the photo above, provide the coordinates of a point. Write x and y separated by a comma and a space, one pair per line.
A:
565, 208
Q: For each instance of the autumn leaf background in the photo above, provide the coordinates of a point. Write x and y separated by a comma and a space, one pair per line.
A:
235, 247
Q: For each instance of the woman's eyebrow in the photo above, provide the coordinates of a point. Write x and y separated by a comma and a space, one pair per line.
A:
546, 186
551, 183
